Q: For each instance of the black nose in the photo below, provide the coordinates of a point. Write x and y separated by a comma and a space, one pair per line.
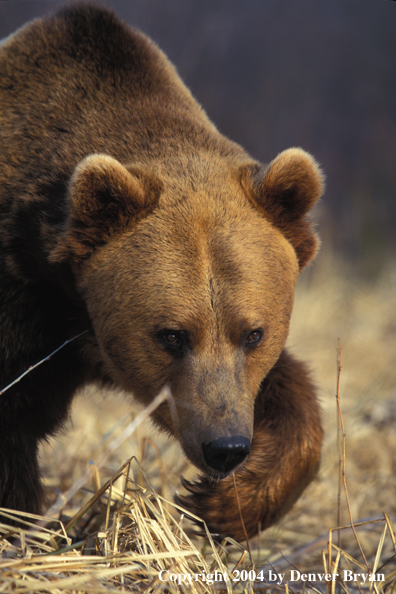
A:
225, 453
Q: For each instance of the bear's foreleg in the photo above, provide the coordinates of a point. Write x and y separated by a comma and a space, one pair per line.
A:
30, 411
20, 486
284, 458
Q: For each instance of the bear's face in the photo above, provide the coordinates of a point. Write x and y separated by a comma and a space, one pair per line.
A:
196, 293
200, 305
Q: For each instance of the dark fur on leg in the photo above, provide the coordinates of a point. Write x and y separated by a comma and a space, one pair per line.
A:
284, 458
20, 486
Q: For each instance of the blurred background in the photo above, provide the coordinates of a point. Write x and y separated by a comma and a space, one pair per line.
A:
320, 75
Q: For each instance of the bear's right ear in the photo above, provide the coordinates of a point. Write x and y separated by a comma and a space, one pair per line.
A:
285, 191
104, 198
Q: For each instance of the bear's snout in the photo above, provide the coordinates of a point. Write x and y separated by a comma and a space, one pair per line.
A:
226, 453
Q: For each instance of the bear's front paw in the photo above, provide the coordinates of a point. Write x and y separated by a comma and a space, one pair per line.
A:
217, 504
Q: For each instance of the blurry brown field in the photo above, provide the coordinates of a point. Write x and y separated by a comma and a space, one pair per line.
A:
125, 550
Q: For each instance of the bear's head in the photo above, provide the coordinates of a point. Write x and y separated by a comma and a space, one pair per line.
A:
192, 286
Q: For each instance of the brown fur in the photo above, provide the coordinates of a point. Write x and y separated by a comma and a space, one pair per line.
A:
125, 213
282, 462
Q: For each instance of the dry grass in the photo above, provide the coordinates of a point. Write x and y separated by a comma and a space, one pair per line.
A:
118, 537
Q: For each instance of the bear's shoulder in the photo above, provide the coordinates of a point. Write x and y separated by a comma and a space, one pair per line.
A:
85, 36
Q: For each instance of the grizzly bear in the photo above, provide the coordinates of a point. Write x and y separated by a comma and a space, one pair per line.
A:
127, 216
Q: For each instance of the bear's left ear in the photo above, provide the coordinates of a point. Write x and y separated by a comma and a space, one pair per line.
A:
285, 191
104, 198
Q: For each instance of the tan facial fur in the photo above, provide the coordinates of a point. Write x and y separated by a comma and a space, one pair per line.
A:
212, 267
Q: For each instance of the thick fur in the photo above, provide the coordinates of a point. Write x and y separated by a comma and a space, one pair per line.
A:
281, 464
126, 214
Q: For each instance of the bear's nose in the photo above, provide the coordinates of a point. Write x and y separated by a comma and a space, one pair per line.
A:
225, 453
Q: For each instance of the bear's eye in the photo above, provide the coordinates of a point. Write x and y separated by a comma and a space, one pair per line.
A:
172, 339
253, 337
